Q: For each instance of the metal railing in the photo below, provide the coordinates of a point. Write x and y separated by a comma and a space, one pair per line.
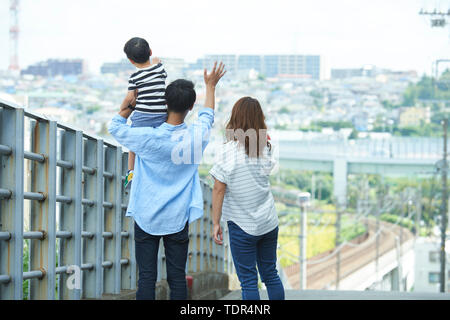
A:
61, 193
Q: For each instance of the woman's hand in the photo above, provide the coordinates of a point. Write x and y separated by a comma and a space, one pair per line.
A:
217, 234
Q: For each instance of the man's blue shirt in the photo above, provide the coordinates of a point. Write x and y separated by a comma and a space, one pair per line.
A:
165, 190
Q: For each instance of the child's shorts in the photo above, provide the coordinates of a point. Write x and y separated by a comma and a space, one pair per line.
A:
143, 119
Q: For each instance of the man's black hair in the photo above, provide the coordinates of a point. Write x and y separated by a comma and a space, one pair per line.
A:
137, 49
180, 95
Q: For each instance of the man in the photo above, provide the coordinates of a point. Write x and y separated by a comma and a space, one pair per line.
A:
165, 195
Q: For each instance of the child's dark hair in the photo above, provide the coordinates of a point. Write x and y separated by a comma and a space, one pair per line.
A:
137, 49
180, 95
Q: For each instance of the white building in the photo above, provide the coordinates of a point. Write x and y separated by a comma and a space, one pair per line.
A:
427, 265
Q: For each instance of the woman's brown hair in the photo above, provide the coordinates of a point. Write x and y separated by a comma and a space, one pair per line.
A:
247, 126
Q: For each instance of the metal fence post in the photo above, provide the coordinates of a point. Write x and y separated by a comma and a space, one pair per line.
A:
99, 219
194, 240
11, 204
211, 244
202, 241
43, 213
113, 207
71, 212
128, 274
92, 218
118, 221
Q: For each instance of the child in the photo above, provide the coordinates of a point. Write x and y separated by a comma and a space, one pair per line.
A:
147, 86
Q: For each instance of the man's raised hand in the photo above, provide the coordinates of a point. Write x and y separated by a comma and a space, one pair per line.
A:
215, 74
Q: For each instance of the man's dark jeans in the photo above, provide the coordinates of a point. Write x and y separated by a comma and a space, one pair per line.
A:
176, 250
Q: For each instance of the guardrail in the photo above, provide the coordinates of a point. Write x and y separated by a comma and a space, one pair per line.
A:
61, 193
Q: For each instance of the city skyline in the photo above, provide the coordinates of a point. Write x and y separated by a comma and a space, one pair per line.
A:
348, 33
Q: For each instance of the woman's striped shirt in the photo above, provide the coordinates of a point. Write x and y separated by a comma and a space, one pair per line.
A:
151, 85
248, 200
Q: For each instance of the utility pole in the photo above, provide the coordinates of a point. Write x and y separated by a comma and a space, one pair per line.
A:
366, 199
444, 207
400, 241
399, 259
304, 198
338, 242
418, 211
437, 18
377, 241
435, 79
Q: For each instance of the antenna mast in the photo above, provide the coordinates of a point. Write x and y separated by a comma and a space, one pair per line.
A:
14, 35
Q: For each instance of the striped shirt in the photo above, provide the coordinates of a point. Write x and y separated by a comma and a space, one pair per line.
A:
151, 85
248, 200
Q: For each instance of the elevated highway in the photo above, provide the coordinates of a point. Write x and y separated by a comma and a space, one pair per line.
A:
392, 156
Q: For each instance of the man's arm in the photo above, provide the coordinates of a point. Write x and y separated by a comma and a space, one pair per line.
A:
211, 81
135, 139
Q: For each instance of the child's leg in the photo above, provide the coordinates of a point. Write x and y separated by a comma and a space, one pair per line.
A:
131, 157
129, 177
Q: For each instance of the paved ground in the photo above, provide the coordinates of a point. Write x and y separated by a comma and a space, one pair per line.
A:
348, 295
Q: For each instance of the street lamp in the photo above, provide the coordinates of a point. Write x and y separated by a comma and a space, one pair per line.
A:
304, 201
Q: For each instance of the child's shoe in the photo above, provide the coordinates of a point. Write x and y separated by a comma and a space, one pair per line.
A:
128, 178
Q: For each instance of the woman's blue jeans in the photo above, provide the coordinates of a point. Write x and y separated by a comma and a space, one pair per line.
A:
176, 250
249, 251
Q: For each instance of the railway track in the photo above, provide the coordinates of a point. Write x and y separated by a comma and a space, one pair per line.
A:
321, 271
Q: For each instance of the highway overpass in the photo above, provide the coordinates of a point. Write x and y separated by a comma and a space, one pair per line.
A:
391, 157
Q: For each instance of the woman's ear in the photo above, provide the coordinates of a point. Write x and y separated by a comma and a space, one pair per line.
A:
190, 109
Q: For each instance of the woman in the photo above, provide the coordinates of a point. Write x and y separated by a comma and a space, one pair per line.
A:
242, 195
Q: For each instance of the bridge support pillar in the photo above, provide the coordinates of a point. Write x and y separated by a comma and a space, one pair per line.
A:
340, 181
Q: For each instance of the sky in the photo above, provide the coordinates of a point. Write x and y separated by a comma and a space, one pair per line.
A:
348, 33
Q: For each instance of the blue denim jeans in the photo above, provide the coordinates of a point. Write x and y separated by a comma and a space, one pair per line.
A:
143, 119
249, 251
176, 250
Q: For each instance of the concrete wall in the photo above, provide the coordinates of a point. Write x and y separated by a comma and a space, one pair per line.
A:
205, 286
424, 265
360, 280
